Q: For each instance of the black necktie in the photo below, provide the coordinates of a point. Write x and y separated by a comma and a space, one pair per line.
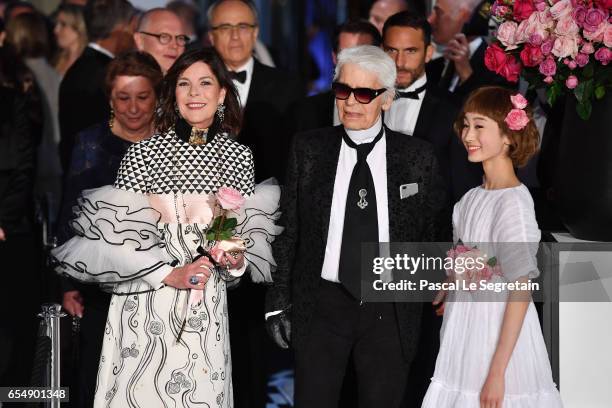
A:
360, 217
411, 94
239, 76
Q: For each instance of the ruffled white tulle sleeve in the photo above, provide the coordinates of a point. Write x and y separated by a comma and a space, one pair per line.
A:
256, 226
117, 241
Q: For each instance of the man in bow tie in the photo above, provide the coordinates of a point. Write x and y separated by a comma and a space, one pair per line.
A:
265, 95
420, 108
343, 189
265, 92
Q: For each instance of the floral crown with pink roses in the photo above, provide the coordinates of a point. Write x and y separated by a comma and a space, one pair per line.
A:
517, 118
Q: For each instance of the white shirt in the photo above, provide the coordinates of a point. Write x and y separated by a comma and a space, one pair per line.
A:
243, 89
474, 44
377, 160
101, 49
404, 112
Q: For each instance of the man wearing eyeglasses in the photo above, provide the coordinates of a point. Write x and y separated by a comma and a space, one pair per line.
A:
161, 34
265, 92
348, 185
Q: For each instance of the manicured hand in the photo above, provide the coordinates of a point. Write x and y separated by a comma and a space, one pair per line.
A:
181, 277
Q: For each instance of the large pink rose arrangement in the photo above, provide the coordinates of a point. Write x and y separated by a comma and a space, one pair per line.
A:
565, 45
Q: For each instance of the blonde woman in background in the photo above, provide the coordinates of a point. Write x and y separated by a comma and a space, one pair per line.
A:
70, 35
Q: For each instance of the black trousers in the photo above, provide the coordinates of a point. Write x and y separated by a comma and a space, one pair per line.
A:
249, 344
341, 327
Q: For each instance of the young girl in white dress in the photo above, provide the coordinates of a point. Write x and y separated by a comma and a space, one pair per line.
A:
492, 353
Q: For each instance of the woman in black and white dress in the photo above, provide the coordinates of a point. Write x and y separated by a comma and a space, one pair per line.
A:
140, 238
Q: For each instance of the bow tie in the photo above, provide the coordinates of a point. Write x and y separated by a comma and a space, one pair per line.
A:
238, 76
411, 94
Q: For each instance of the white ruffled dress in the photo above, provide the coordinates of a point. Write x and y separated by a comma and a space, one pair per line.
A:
132, 234
490, 219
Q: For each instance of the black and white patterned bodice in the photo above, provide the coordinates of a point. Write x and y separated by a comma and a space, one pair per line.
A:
165, 164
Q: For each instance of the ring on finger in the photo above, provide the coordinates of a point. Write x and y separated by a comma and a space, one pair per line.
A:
234, 254
194, 279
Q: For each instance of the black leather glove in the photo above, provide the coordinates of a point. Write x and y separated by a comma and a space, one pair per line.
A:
279, 328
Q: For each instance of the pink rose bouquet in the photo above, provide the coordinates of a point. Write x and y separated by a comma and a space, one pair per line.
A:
563, 45
470, 264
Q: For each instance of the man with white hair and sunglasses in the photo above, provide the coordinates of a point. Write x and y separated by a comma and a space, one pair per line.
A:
355, 183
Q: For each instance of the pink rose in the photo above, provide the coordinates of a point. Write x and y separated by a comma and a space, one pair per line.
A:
535, 39
548, 67
505, 34
603, 55
499, 10
566, 46
229, 198
516, 119
594, 18
571, 82
519, 101
495, 58
579, 15
538, 23
523, 9
607, 40
217, 253
547, 46
572, 65
511, 69
566, 26
561, 9
582, 59
588, 48
598, 34
531, 56
549, 80
541, 5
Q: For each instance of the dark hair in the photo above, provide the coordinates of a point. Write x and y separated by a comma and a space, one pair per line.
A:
29, 35
12, 5
134, 63
494, 102
101, 17
357, 27
208, 55
412, 20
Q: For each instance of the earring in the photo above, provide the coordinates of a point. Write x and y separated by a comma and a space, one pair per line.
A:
221, 112
111, 119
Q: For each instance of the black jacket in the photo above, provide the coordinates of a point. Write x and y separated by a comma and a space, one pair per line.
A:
18, 144
306, 203
264, 127
82, 101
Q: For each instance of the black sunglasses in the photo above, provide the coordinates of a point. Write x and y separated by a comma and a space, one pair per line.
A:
362, 95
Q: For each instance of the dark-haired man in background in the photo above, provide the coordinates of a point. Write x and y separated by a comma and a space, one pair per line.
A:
319, 110
421, 109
